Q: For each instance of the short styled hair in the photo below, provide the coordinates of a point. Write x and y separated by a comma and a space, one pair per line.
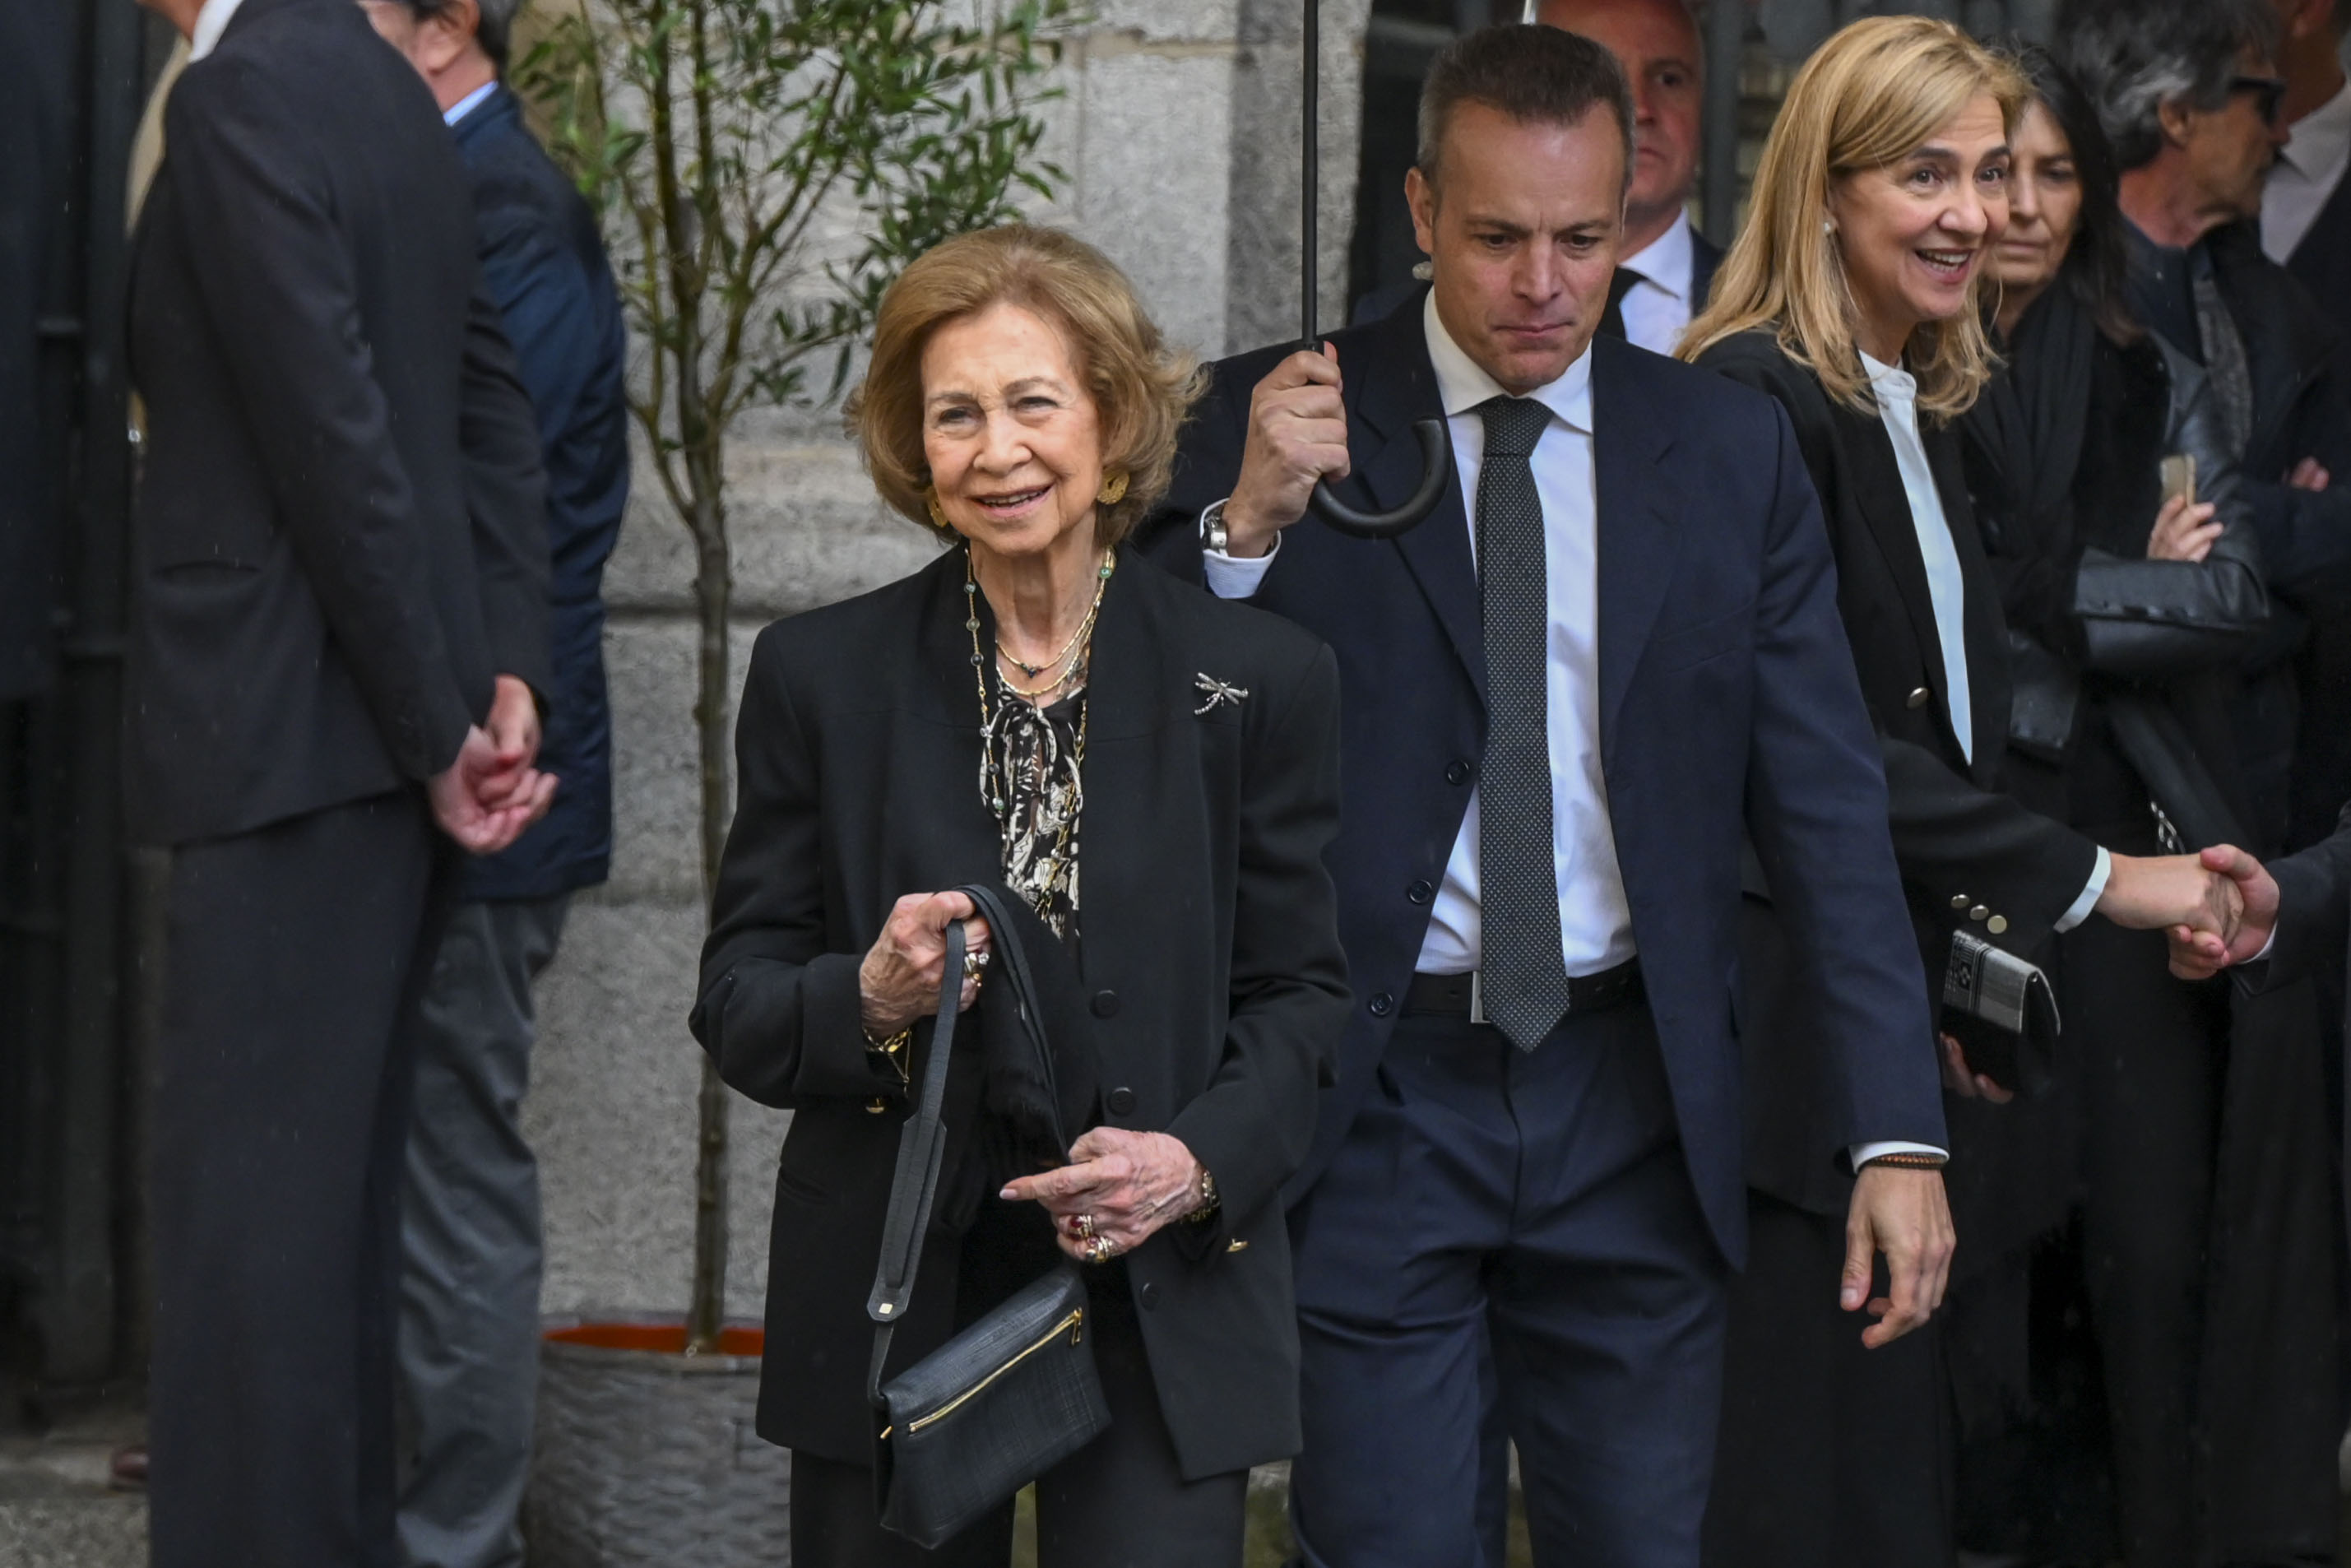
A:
1142, 388
2135, 55
1535, 74
494, 30
1869, 97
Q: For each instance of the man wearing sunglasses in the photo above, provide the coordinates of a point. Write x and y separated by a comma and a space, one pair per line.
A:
2212, 1418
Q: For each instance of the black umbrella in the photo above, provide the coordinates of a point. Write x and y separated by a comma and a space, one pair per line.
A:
1436, 446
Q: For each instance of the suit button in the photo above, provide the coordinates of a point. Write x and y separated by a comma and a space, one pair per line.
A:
1996, 924
1960, 901
1383, 1004
1122, 1102
1420, 892
1917, 698
1106, 1003
1978, 913
1148, 1296
1458, 771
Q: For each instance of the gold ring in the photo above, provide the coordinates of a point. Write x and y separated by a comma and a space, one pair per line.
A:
1085, 1227
973, 963
1101, 1250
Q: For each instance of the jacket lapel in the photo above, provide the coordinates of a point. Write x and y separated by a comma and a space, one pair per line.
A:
1884, 506
1399, 388
1635, 544
1983, 630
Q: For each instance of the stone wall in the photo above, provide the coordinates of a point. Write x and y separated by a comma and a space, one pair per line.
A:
1178, 132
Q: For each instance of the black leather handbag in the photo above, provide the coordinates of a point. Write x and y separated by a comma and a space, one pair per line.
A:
1016, 1392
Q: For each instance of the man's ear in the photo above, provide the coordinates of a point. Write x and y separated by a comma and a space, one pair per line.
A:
1420, 195
2176, 119
448, 36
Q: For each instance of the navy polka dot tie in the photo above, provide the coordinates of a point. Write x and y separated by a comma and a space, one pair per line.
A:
1523, 977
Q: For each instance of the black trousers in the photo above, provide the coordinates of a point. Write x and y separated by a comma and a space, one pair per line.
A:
281, 1114
1121, 1501
1830, 1452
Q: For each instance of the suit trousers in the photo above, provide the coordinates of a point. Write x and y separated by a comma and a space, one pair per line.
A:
1532, 1206
1121, 1501
469, 1227
281, 1112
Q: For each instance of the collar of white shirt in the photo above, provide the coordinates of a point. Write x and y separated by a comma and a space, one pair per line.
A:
211, 23
470, 102
1890, 381
1666, 262
1462, 384
2320, 142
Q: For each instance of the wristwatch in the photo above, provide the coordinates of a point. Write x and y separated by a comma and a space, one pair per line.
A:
1212, 527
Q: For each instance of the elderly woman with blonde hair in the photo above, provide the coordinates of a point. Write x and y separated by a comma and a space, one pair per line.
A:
1035, 702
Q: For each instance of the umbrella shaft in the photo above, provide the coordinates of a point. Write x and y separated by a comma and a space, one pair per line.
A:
1311, 69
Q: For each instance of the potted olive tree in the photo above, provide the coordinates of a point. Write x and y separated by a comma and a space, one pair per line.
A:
719, 140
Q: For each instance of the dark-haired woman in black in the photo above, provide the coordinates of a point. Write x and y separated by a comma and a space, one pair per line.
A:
2094, 1333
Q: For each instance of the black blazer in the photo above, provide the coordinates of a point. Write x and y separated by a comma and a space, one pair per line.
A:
1962, 845
2320, 263
1727, 707
1207, 926
341, 535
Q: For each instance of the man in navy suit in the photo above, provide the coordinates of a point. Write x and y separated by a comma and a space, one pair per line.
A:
469, 1226
1610, 655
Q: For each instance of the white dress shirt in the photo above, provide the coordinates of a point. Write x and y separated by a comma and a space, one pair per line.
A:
1657, 309
2308, 168
1897, 391
211, 23
470, 102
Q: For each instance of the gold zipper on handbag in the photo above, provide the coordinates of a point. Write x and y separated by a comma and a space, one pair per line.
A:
1075, 1326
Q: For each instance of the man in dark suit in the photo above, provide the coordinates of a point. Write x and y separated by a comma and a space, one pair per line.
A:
470, 1215
1666, 265
1560, 719
2306, 203
340, 635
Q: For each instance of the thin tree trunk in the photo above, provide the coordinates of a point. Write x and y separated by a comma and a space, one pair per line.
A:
713, 591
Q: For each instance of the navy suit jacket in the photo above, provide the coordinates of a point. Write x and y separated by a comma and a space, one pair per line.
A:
543, 266
1729, 705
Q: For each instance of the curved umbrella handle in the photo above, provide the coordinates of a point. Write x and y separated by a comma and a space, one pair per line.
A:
1436, 473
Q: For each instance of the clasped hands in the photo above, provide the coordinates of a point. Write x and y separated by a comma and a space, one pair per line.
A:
492, 792
1119, 1185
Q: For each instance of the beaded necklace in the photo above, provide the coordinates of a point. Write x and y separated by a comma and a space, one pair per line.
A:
1019, 745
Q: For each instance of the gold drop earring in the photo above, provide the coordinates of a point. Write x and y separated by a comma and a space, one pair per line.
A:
1113, 491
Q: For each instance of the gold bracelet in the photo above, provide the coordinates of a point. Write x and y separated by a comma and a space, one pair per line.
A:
1208, 1199
1908, 1162
892, 1051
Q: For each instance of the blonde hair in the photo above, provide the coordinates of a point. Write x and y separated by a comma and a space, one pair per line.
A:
1142, 388
1870, 95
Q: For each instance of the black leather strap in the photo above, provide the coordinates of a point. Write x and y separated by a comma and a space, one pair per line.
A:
921, 1142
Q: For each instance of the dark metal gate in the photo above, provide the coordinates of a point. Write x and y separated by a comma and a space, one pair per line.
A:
67, 1218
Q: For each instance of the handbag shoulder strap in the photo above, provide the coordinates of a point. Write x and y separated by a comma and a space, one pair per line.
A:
921, 1143
1010, 966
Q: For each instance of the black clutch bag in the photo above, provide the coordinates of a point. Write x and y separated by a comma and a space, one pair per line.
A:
1016, 1392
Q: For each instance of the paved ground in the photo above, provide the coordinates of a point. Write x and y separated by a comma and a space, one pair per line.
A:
54, 1508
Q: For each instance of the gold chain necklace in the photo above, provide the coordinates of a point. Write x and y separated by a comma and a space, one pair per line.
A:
1054, 867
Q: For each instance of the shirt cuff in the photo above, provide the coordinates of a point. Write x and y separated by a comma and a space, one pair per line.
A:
1862, 1153
2262, 957
2092, 892
1237, 577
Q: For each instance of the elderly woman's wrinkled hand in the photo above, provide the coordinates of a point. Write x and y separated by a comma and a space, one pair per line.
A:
1118, 1188
899, 981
